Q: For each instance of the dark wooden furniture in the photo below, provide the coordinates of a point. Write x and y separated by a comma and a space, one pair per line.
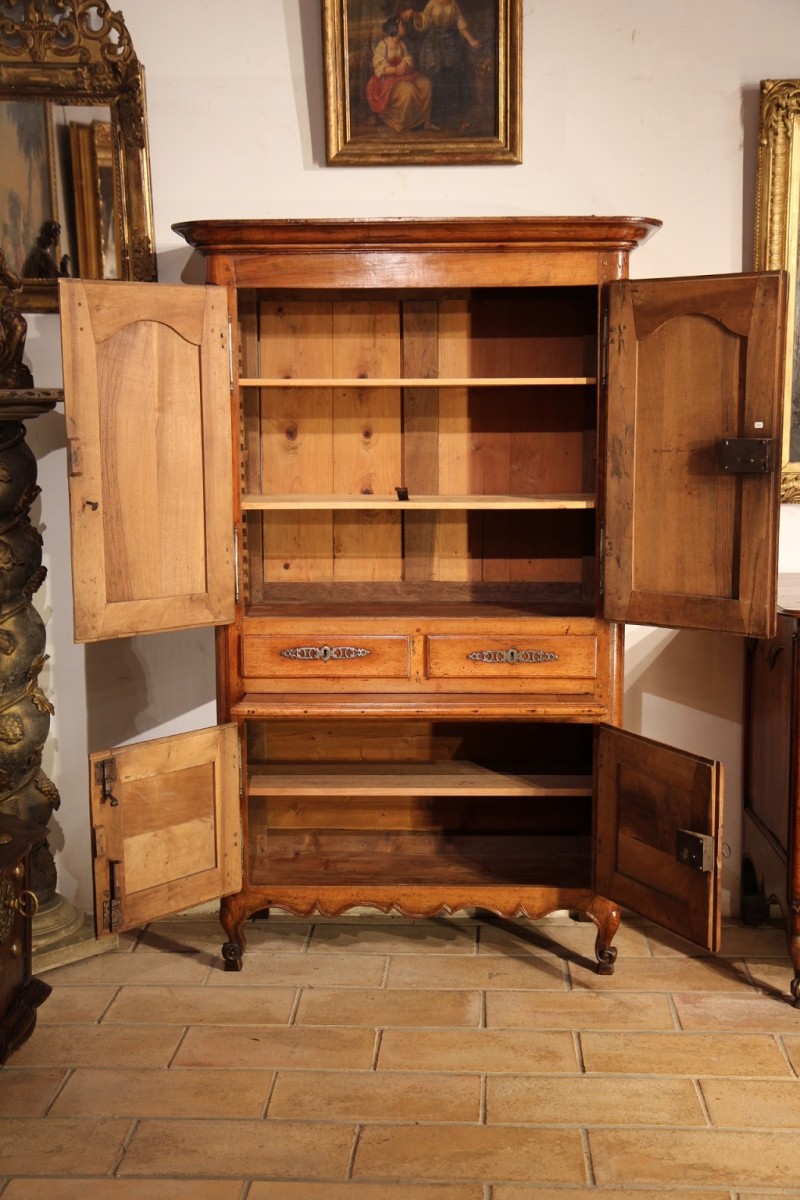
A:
771, 842
20, 994
419, 482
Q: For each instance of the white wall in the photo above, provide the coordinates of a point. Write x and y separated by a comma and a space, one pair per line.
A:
635, 107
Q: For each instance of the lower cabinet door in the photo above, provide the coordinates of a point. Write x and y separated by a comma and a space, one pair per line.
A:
658, 849
166, 826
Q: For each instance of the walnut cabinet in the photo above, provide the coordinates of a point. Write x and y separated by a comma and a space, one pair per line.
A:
418, 474
771, 826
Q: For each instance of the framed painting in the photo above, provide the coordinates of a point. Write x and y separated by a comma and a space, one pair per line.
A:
422, 81
27, 179
777, 244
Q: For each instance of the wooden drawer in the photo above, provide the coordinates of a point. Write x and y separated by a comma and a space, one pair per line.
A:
513, 656
296, 656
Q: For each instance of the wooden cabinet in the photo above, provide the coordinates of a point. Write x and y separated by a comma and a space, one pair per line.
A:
418, 483
20, 993
771, 841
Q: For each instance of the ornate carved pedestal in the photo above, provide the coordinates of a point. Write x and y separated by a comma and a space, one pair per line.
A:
61, 933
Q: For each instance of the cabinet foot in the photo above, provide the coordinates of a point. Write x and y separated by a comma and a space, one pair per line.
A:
232, 955
605, 915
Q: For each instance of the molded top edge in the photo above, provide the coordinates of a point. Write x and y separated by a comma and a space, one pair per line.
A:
213, 236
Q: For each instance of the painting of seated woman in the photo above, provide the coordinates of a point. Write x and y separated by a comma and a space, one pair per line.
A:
422, 80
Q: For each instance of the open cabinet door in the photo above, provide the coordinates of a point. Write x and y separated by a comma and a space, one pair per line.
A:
694, 389
166, 826
147, 402
658, 814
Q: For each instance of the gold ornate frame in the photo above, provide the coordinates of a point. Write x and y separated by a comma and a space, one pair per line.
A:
80, 52
346, 146
777, 244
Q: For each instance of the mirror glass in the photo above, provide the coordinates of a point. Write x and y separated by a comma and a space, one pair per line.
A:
74, 188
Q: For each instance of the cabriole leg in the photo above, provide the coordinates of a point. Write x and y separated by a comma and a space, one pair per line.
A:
233, 915
605, 915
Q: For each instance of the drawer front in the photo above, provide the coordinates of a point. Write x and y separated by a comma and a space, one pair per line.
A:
512, 657
320, 657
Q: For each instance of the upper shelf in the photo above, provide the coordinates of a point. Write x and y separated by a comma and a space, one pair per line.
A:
580, 500
403, 382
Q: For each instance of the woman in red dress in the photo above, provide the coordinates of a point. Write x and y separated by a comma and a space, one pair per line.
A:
397, 92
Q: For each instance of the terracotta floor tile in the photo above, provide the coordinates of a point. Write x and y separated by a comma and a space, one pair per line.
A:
375, 1096
123, 1189
578, 1010
539, 1100
241, 1148
451, 1152
665, 975
120, 967
698, 1011
268, 1048
738, 941
791, 1044
202, 1005
771, 974
87, 1045
477, 1050
753, 1103
512, 1191
27, 1092
295, 970
379, 1007
193, 936
489, 971
61, 1147
682, 1054
714, 1157
74, 1004
388, 938
574, 938
159, 1093
366, 1191
159, 1047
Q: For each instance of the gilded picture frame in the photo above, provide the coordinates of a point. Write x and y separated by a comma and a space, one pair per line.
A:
777, 245
422, 81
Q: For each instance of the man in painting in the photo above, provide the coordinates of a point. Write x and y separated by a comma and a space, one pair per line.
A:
40, 262
397, 92
443, 59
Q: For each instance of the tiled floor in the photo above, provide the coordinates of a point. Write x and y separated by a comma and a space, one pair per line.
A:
384, 1059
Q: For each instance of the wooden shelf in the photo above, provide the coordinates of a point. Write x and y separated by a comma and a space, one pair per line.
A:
395, 859
408, 382
408, 779
446, 706
298, 502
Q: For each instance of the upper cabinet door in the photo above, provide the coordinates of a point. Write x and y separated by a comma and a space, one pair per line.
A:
657, 843
693, 460
147, 399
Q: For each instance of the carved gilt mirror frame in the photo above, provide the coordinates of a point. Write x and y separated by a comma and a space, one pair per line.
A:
777, 244
79, 52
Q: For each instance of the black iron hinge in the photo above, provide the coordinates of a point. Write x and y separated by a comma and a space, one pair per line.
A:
105, 773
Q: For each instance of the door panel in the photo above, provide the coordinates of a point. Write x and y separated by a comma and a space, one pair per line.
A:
147, 401
692, 362
645, 794
166, 826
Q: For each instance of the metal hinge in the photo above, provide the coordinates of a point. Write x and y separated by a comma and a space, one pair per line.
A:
602, 556
230, 353
112, 907
105, 773
748, 456
695, 850
236, 563
604, 348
